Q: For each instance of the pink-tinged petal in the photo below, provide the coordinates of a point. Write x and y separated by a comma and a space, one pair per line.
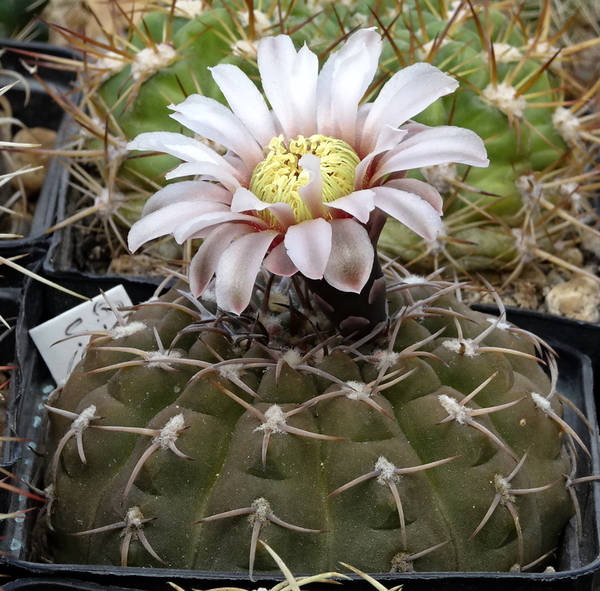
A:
308, 245
407, 93
245, 200
205, 261
413, 127
312, 192
303, 92
167, 219
435, 145
275, 57
387, 139
279, 263
351, 258
358, 204
343, 81
423, 190
409, 209
289, 82
207, 169
237, 269
245, 101
194, 226
178, 145
210, 119
187, 191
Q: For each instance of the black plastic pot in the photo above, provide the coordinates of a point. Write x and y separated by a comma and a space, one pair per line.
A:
9, 310
578, 565
39, 110
58, 584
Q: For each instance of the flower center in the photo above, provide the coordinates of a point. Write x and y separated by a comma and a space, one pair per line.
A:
277, 178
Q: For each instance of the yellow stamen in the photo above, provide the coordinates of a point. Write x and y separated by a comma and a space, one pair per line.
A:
277, 178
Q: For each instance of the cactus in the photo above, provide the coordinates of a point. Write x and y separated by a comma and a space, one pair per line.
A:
187, 435
518, 95
18, 19
335, 409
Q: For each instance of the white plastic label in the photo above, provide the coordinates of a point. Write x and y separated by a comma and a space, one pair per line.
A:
62, 357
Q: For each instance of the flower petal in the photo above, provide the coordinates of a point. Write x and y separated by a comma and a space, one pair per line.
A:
358, 204
423, 190
205, 261
388, 139
187, 191
289, 82
245, 101
210, 119
434, 145
407, 93
167, 219
245, 200
208, 169
312, 192
351, 258
279, 263
343, 82
308, 245
409, 209
178, 145
237, 269
192, 227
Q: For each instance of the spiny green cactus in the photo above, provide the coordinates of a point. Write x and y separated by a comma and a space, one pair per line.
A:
533, 116
186, 435
339, 413
18, 20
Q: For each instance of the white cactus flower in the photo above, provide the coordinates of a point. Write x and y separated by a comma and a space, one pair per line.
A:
306, 174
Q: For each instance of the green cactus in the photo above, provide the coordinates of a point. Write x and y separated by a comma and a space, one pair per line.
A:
186, 435
518, 96
343, 412
18, 19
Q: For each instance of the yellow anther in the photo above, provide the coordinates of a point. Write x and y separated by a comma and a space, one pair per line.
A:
277, 178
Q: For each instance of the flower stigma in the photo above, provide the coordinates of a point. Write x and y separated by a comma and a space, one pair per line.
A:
277, 178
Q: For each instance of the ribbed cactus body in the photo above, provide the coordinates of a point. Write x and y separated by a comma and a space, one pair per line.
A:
326, 451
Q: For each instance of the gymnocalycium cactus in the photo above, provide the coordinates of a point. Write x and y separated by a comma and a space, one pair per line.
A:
535, 119
335, 410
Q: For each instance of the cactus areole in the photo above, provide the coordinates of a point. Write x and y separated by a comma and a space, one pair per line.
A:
334, 409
